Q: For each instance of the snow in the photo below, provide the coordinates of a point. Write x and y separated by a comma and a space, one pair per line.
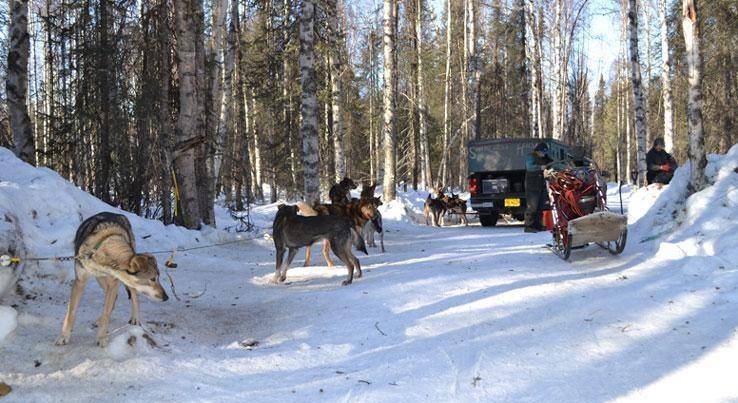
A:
447, 314
8, 321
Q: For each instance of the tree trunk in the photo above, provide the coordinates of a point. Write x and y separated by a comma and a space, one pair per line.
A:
216, 50
556, 100
16, 84
666, 80
444, 174
165, 123
425, 163
638, 99
389, 97
464, 129
696, 151
336, 67
309, 106
187, 136
226, 101
530, 53
286, 108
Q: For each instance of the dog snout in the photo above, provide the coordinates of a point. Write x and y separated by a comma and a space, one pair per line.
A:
165, 297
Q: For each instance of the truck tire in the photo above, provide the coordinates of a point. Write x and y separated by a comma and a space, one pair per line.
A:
489, 220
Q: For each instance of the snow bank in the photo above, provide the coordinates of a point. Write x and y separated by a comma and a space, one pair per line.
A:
49, 209
8, 321
703, 224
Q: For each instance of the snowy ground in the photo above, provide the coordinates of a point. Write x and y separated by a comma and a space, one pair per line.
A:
447, 314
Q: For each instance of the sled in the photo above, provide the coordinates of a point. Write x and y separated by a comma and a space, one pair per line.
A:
579, 214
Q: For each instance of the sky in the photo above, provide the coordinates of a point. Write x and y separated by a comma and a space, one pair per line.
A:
601, 36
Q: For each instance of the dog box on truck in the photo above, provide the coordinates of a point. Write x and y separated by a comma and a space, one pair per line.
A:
497, 175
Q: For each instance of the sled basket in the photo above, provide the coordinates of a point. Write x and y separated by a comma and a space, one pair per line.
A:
599, 227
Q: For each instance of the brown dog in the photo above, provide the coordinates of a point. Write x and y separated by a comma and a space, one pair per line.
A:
456, 205
105, 249
357, 211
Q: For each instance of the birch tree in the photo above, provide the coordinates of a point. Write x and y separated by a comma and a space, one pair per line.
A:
637, 87
475, 69
226, 101
558, 81
336, 67
696, 151
530, 54
425, 163
309, 104
389, 98
443, 175
666, 80
16, 84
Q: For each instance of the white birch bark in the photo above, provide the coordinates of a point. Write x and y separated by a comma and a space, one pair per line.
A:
443, 174
531, 45
425, 163
309, 104
475, 69
696, 150
666, 80
389, 99
16, 83
556, 99
336, 65
226, 100
639, 102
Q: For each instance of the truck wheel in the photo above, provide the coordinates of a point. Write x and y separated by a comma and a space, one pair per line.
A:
489, 220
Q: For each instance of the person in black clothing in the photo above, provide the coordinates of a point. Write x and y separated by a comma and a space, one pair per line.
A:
661, 165
535, 187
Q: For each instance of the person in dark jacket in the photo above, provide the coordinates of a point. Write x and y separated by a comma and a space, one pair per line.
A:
661, 165
535, 187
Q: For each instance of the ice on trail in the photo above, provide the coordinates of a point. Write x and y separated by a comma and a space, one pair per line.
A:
451, 314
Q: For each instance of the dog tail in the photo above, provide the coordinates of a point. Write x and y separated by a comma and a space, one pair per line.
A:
359, 241
306, 210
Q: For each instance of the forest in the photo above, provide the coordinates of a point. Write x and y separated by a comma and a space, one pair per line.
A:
163, 107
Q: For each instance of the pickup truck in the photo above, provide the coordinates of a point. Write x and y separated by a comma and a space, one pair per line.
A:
497, 175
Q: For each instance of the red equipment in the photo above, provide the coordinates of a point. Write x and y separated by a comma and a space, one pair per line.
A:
579, 213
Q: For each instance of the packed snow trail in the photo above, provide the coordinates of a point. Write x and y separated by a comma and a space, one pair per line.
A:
447, 314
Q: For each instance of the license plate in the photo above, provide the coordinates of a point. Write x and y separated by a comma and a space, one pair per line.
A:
512, 202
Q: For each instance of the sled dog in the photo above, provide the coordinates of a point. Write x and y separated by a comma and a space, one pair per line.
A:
105, 248
292, 231
339, 193
435, 209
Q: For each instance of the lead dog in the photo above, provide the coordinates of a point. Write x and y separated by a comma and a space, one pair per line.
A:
292, 231
106, 249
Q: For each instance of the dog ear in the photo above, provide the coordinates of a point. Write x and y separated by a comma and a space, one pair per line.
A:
151, 260
136, 265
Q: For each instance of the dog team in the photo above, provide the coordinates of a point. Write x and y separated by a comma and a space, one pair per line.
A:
437, 209
105, 249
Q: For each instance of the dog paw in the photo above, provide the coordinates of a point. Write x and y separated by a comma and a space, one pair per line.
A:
358, 273
102, 341
62, 340
282, 278
346, 282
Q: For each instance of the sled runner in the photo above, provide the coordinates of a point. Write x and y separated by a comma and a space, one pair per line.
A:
579, 213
